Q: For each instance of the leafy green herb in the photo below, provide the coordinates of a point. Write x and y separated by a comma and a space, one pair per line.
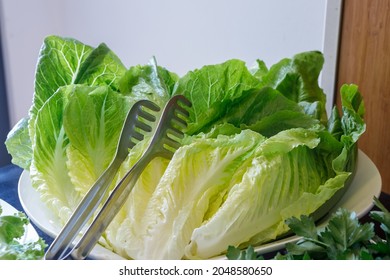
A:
344, 237
12, 228
234, 253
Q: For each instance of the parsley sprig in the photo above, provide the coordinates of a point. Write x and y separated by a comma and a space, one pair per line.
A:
343, 238
12, 229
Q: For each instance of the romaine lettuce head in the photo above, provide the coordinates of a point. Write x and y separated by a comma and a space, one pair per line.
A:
245, 187
283, 178
258, 148
71, 133
62, 62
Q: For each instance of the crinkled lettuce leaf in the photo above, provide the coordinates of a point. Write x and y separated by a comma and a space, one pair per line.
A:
267, 101
297, 79
48, 170
268, 112
18, 144
93, 120
213, 89
151, 82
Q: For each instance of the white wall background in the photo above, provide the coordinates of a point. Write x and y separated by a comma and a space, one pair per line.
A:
182, 34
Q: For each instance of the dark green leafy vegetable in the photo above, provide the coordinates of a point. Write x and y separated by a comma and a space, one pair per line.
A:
12, 228
234, 253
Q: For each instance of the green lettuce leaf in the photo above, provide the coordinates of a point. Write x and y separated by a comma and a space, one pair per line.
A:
18, 144
213, 89
150, 82
259, 69
297, 79
353, 109
59, 64
93, 120
268, 112
49, 164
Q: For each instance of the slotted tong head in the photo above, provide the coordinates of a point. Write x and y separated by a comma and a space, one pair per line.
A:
164, 142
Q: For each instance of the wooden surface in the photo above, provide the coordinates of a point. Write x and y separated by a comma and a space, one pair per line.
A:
364, 59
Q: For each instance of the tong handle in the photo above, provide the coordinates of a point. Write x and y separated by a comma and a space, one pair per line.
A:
109, 210
84, 211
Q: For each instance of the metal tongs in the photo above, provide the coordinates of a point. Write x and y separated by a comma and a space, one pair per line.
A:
163, 143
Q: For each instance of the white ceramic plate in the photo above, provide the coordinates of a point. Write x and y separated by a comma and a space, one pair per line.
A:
365, 185
30, 234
